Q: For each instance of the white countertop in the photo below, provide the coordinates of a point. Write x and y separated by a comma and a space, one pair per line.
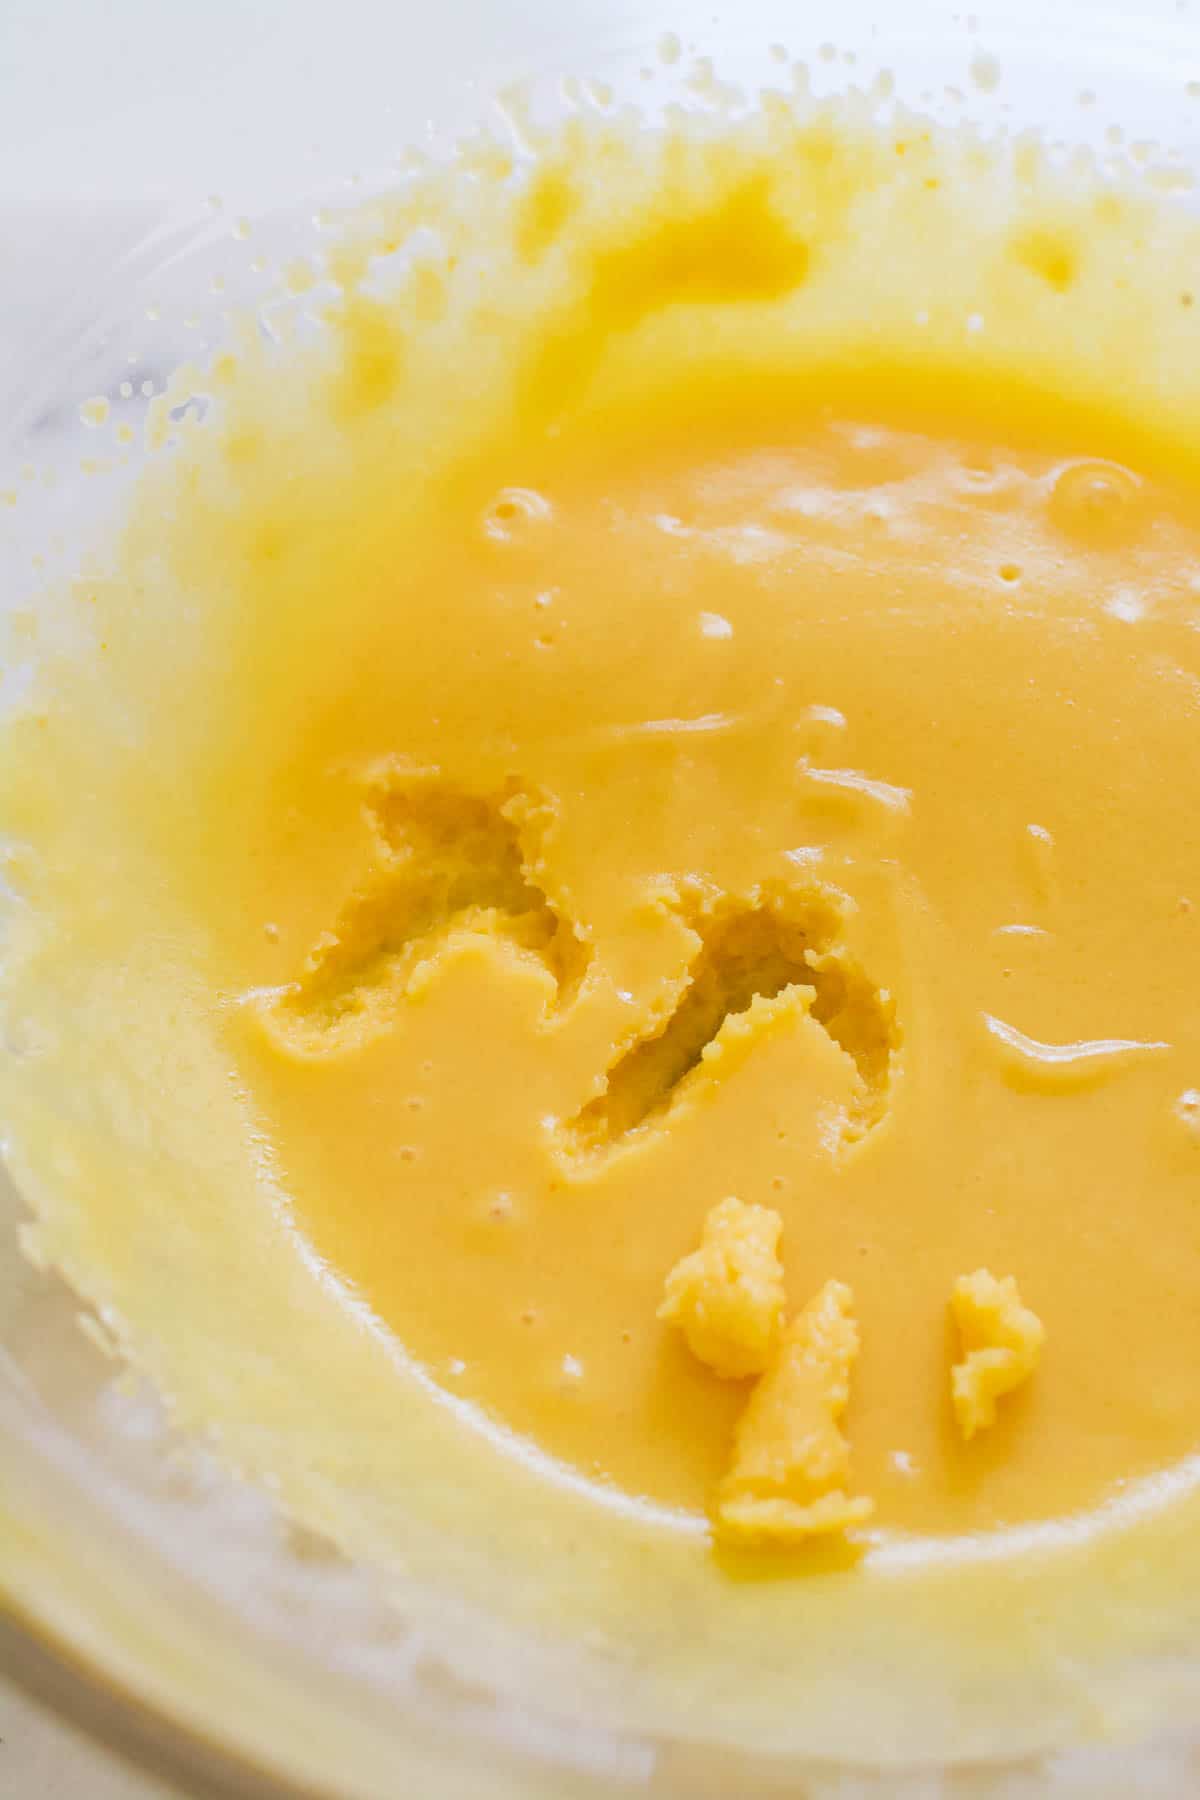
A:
42, 1760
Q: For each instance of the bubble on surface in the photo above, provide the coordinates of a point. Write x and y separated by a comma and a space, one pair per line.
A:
1097, 502
512, 510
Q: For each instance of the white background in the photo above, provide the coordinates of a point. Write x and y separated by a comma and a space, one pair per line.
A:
41, 1760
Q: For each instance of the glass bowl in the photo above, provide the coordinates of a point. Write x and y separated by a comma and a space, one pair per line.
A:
159, 162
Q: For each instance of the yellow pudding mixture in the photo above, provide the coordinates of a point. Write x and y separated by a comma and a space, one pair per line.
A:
674, 703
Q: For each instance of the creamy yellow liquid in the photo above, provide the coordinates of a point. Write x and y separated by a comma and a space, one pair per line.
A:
779, 654
691, 691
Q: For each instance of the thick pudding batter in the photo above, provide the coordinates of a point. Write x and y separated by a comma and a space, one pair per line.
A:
684, 695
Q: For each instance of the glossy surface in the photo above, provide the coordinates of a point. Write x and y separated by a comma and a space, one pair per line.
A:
923, 700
